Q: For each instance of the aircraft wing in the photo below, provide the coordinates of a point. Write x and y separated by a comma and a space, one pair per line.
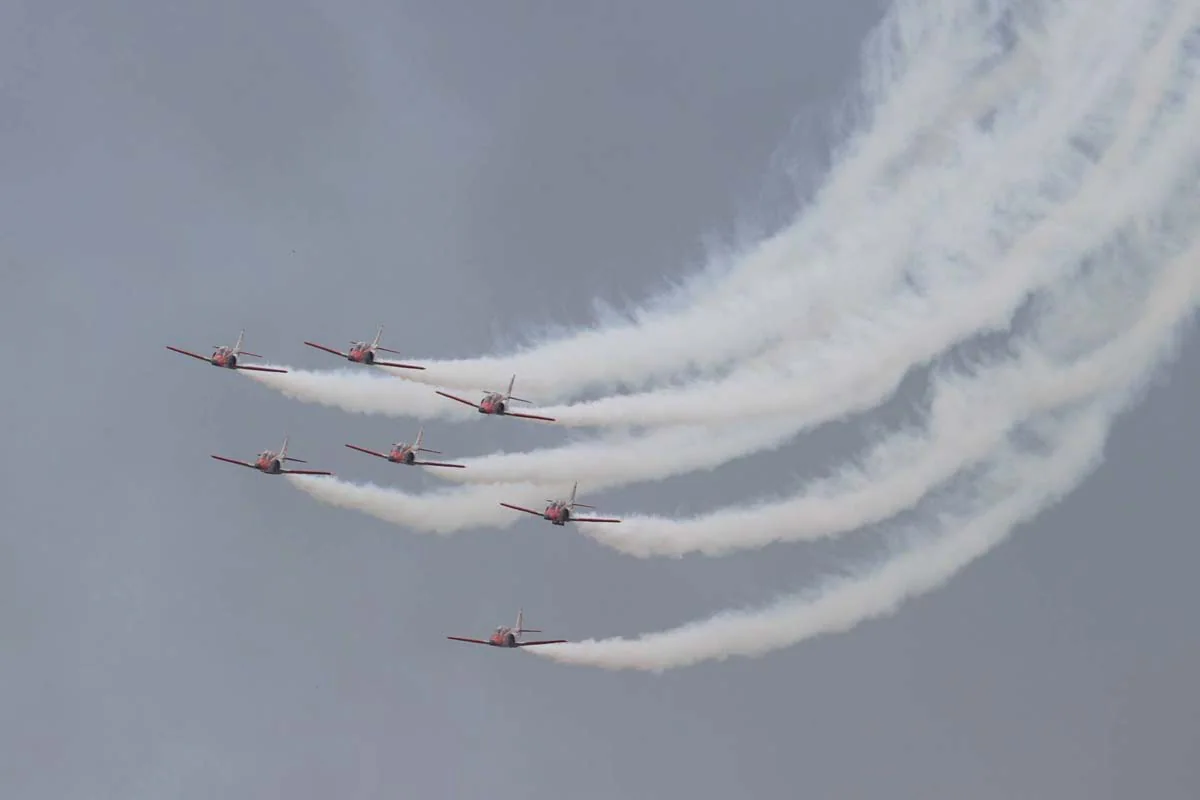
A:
379, 363
235, 461
528, 416
592, 519
261, 369
526, 510
458, 399
437, 464
464, 639
365, 450
327, 349
304, 472
186, 353
548, 641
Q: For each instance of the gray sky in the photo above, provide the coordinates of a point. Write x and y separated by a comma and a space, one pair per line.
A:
175, 628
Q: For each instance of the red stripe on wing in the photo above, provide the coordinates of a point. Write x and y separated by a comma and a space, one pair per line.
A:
186, 353
261, 369
526, 510
458, 399
529, 416
235, 461
379, 363
327, 349
365, 450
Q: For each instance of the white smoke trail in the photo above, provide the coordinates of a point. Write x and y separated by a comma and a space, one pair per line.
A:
443, 513
755, 390
842, 605
922, 71
861, 369
1018, 488
481, 507
969, 420
610, 462
367, 391
867, 235
455, 510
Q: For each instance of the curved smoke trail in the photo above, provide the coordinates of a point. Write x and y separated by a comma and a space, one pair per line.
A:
926, 65
938, 462
970, 418
946, 310
868, 362
1087, 357
1018, 487
658, 454
852, 257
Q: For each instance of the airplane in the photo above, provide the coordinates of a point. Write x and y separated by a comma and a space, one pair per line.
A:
363, 353
227, 357
403, 453
497, 403
508, 637
559, 511
272, 463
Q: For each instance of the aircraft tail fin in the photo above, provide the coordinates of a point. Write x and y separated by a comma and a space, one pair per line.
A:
283, 456
417, 444
237, 348
520, 628
509, 395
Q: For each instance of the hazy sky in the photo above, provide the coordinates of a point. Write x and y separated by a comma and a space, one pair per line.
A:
465, 173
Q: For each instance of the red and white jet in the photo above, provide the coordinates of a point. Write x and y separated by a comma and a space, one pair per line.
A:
403, 453
363, 353
272, 463
559, 512
505, 636
227, 357
497, 403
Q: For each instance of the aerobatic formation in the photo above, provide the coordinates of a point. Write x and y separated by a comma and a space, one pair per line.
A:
1016, 214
